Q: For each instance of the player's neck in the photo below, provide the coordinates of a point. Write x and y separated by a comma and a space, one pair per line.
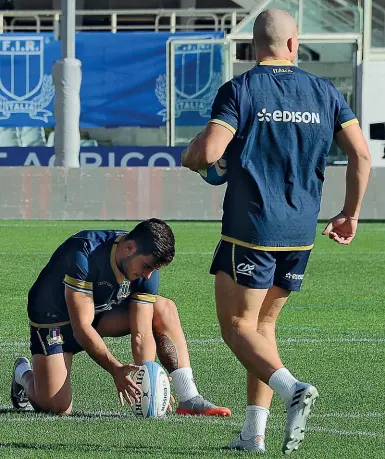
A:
269, 58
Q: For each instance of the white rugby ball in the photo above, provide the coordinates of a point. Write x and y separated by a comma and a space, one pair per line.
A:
215, 174
155, 386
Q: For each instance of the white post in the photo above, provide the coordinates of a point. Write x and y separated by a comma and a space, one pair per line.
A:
67, 77
367, 35
173, 22
300, 16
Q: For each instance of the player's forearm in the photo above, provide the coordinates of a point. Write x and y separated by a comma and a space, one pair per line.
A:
143, 347
93, 344
357, 176
193, 160
200, 154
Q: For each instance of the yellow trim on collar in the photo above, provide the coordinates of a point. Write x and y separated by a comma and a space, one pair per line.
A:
277, 62
118, 275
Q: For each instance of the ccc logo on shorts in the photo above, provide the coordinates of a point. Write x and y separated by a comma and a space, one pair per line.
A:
245, 268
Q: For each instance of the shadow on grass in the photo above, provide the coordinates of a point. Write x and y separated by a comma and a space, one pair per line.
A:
8, 411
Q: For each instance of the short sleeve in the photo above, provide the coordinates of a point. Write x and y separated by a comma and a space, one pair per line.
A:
225, 107
77, 274
145, 290
344, 115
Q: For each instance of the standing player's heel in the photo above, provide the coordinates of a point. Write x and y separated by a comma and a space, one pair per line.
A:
298, 411
18, 395
256, 444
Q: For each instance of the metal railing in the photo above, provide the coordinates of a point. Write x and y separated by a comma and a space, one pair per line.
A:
119, 20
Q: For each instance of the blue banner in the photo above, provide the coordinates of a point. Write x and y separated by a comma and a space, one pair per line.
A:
124, 78
95, 156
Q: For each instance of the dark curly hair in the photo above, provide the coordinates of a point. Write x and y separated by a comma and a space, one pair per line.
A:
154, 237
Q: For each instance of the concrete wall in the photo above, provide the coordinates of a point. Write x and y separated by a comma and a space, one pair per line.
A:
34, 193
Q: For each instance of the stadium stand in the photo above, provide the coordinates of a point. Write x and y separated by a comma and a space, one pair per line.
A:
9, 137
32, 137
319, 16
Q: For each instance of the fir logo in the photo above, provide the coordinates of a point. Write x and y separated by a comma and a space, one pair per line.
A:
264, 115
196, 80
24, 88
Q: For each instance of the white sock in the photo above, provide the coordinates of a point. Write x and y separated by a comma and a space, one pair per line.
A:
283, 383
184, 384
20, 370
256, 420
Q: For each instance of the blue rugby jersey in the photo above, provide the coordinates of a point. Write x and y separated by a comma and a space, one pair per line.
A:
283, 120
85, 262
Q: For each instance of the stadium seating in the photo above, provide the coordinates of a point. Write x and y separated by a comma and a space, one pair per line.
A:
32, 137
88, 143
83, 142
9, 137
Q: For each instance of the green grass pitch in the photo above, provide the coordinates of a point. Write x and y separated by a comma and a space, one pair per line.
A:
331, 334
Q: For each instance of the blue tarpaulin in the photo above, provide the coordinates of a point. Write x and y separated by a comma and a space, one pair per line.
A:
124, 82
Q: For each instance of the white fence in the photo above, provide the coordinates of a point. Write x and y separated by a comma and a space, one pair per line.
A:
42, 193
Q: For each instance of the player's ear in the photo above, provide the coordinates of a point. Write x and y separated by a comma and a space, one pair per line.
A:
130, 248
290, 44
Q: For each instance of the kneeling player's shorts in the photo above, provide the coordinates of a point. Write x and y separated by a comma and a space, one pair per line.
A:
55, 340
260, 269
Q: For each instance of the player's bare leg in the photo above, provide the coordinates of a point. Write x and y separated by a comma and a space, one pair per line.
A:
172, 352
48, 386
238, 310
259, 394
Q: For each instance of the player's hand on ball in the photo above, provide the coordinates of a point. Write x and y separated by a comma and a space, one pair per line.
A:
172, 399
341, 229
127, 389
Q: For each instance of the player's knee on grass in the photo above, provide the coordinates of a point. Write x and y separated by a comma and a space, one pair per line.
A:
165, 315
50, 391
57, 405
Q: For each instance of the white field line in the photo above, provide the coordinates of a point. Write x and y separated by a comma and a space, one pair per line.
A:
101, 416
210, 253
348, 433
9, 343
200, 341
74, 223
341, 415
50, 252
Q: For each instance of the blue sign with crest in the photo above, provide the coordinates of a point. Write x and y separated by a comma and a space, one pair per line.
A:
26, 86
123, 83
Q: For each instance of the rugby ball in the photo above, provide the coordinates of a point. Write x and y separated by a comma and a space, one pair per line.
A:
215, 174
155, 386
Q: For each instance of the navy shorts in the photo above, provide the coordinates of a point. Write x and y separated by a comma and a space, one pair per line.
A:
260, 269
55, 340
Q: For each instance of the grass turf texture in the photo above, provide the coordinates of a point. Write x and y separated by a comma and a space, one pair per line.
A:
332, 334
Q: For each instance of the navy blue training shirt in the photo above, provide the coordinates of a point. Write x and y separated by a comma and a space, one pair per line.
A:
283, 120
85, 262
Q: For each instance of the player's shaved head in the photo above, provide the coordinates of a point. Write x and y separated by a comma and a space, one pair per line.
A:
275, 33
